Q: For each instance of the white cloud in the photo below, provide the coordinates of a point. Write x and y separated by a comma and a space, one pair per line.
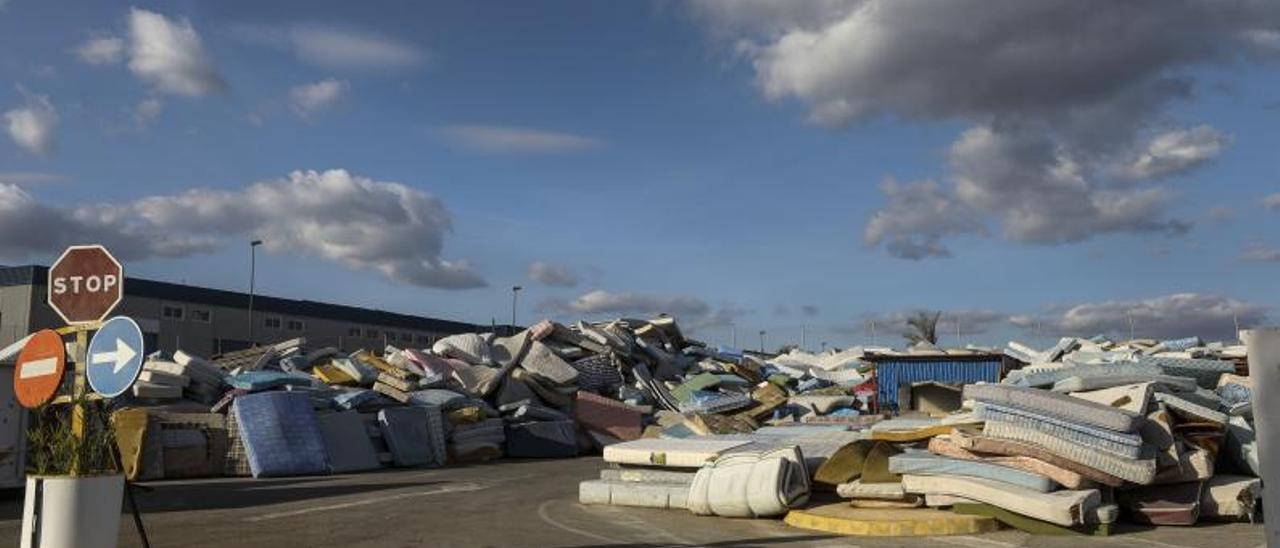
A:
34, 125
917, 217
1058, 129
693, 313
1260, 254
309, 99
1272, 202
147, 110
552, 274
516, 139
336, 48
1177, 151
388, 227
1169, 316
169, 55
102, 51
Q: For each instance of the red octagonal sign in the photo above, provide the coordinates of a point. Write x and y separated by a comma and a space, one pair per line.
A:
85, 284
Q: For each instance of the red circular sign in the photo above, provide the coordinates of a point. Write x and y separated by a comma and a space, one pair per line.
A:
85, 283
38, 373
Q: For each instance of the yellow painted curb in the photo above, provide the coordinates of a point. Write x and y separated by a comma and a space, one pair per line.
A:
842, 519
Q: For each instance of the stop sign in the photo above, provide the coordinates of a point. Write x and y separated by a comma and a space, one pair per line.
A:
85, 284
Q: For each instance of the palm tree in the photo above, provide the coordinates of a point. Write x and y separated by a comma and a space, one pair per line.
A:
922, 327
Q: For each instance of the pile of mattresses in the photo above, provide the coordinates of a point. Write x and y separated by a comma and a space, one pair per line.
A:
707, 476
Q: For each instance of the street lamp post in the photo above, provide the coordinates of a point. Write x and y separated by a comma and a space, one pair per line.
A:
762, 341
515, 291
253, 270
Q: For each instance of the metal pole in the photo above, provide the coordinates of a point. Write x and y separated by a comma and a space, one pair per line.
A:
762, 341
733, 335
515, 290
253, 270
804, 338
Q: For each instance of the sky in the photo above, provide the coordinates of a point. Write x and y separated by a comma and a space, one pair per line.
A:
814, 170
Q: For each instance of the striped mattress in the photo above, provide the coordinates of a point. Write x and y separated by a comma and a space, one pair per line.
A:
1120, 444
1057, 405
1140, 471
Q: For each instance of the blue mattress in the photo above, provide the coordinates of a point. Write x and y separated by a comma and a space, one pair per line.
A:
927, 464
280, 434
257, 381
414, 434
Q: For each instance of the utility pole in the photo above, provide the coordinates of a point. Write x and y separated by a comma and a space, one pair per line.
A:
733, 335
1130, 316
804, 338
873, 332
515, 291
253, 270
824, 346
762, 341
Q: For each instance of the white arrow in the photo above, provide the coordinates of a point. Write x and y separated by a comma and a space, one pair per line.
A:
121, 356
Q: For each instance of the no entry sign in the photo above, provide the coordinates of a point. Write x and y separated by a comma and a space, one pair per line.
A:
85, 284
39, 369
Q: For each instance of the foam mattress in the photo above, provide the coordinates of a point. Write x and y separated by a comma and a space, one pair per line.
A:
625, 493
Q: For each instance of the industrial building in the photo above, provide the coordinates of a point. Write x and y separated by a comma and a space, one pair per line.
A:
208, 321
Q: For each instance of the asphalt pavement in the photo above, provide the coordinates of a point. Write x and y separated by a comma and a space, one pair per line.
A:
504, 503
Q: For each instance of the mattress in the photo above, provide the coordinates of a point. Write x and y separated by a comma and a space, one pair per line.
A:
844, 465
347, 441
280, 434
1205, 372
1064, 508
1027, 524
1120, 444
1141, 471
626, 493
1061, 406
258, 381
1047, 378
904, 430
605, 415
927, 464
1195, 464
468, 347
676, 453
414, 435
543, 362
878, 491
701, 381
985, 444
647, 475
598, 373
1078, 384
1130, 397
946, 447
555, 439
751, 485
1185, 407
1230, 497
1174, 504
702, 401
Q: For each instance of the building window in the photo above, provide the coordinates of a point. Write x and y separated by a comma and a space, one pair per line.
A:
353, 331
371, 333
171, 312
295, 325
271, 323
202, 315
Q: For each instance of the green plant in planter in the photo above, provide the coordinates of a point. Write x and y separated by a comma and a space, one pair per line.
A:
54, 450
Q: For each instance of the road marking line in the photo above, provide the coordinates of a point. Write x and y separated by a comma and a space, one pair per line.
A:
1152, 542
973, 541
542, 513
38, 368
460, 488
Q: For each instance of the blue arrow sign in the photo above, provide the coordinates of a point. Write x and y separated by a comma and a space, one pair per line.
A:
115, 356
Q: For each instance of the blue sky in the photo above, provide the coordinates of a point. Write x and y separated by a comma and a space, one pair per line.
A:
721, 161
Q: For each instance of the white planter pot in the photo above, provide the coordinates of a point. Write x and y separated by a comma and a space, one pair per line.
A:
81, 512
